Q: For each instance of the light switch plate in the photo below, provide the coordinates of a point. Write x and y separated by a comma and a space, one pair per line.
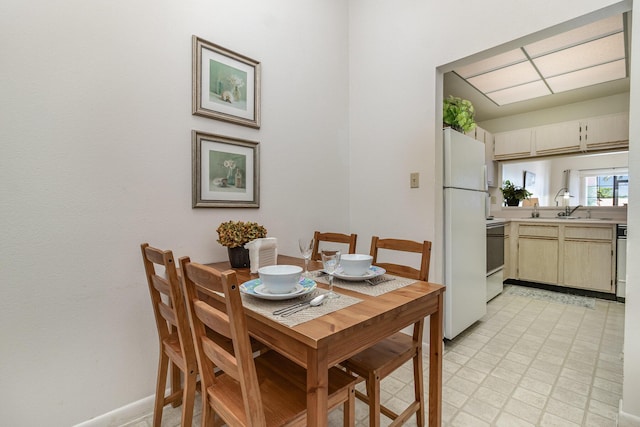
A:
415, 179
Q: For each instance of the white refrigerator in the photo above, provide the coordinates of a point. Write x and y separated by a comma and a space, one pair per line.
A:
465, 192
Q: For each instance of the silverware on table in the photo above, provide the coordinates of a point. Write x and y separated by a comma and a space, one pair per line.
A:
288, 311
378, 280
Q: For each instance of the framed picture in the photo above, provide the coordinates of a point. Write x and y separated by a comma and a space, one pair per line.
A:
226, 171
529, 179
226, 85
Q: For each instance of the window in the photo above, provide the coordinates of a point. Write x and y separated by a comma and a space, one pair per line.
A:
604, 187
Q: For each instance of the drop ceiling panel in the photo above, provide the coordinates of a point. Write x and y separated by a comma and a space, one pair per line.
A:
505, 77
588, 76
596, 52
493, 63
520, 93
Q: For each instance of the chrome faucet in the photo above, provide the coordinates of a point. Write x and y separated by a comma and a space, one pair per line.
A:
568, 211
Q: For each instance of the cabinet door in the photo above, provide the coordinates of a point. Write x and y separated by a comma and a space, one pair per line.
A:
538, 260
558, 138
513, 144
492, 165
588, 265
606, 132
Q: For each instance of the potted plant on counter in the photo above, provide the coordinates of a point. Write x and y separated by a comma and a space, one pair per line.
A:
234, 235
512, 194
459, 114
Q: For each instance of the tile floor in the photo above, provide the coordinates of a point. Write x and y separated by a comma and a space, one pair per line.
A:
528, 362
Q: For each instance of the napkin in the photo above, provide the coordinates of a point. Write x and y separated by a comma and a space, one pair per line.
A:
262, 252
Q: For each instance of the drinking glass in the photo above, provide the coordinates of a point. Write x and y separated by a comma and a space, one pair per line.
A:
306, 248
330, 263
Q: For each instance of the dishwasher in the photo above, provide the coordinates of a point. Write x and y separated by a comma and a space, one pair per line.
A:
495, 260
621, 261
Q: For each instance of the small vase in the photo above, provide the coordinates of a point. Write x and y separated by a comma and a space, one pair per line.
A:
238, 257
236, 93
231, 177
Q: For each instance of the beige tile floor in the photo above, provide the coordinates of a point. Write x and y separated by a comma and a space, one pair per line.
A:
528, 362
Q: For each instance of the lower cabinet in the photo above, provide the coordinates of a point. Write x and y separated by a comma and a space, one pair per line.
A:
588, 258
538, 260
577, 256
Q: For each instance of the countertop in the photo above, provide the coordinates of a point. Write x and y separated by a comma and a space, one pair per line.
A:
560, 220
497, 221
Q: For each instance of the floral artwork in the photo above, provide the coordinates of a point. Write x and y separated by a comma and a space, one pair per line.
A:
225, 171
226, 85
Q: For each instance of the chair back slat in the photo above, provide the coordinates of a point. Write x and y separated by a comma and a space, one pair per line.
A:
161, 284
347, 239
215, 320
167, 313
204, 316
402, 245
221, 358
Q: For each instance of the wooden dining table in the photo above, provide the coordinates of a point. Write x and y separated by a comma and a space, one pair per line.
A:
325, 341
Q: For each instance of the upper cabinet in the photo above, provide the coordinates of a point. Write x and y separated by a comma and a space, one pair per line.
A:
515, 144
593, 134
600, 133
492, 167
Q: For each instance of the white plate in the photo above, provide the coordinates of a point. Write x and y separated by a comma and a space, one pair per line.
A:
249, 288
263, 291
370, 274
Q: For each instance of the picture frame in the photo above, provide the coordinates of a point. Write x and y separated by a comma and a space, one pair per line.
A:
225, 171
529, 179
226, 84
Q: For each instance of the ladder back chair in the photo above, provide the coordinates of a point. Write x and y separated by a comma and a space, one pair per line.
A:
348, 239
381, 359
176, 345
269, 390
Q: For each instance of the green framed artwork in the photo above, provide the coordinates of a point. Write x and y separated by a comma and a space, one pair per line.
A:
226, 85
225, 171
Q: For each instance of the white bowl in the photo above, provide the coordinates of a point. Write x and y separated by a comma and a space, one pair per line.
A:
355, 264
280, 279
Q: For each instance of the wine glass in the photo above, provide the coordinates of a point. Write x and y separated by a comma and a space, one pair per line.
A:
330, 263
306, 248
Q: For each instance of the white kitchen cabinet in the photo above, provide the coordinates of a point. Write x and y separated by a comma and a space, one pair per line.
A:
589, 257
486, 137
557, 253
514, 144
558, 138
538, 253
587, 135
599, 133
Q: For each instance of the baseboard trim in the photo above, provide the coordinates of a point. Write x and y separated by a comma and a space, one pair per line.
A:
627, 420
123, 415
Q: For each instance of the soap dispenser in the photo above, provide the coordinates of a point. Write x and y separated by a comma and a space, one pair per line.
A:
535, 213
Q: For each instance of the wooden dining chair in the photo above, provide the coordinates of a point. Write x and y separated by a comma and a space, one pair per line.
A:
176, 345
381, 359
348, 239
269, 390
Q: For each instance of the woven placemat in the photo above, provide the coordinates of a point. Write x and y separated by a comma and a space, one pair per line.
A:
363, 287
267, 307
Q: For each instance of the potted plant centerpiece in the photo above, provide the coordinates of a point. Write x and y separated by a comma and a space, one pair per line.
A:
459, 114
512, 194
234, 234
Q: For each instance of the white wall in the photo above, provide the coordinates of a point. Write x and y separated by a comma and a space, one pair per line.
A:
95, 159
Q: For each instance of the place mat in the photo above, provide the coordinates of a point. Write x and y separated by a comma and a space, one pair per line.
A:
267, 307
363, 287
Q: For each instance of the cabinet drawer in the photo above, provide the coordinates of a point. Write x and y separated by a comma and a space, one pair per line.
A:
538, 230
588, 233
